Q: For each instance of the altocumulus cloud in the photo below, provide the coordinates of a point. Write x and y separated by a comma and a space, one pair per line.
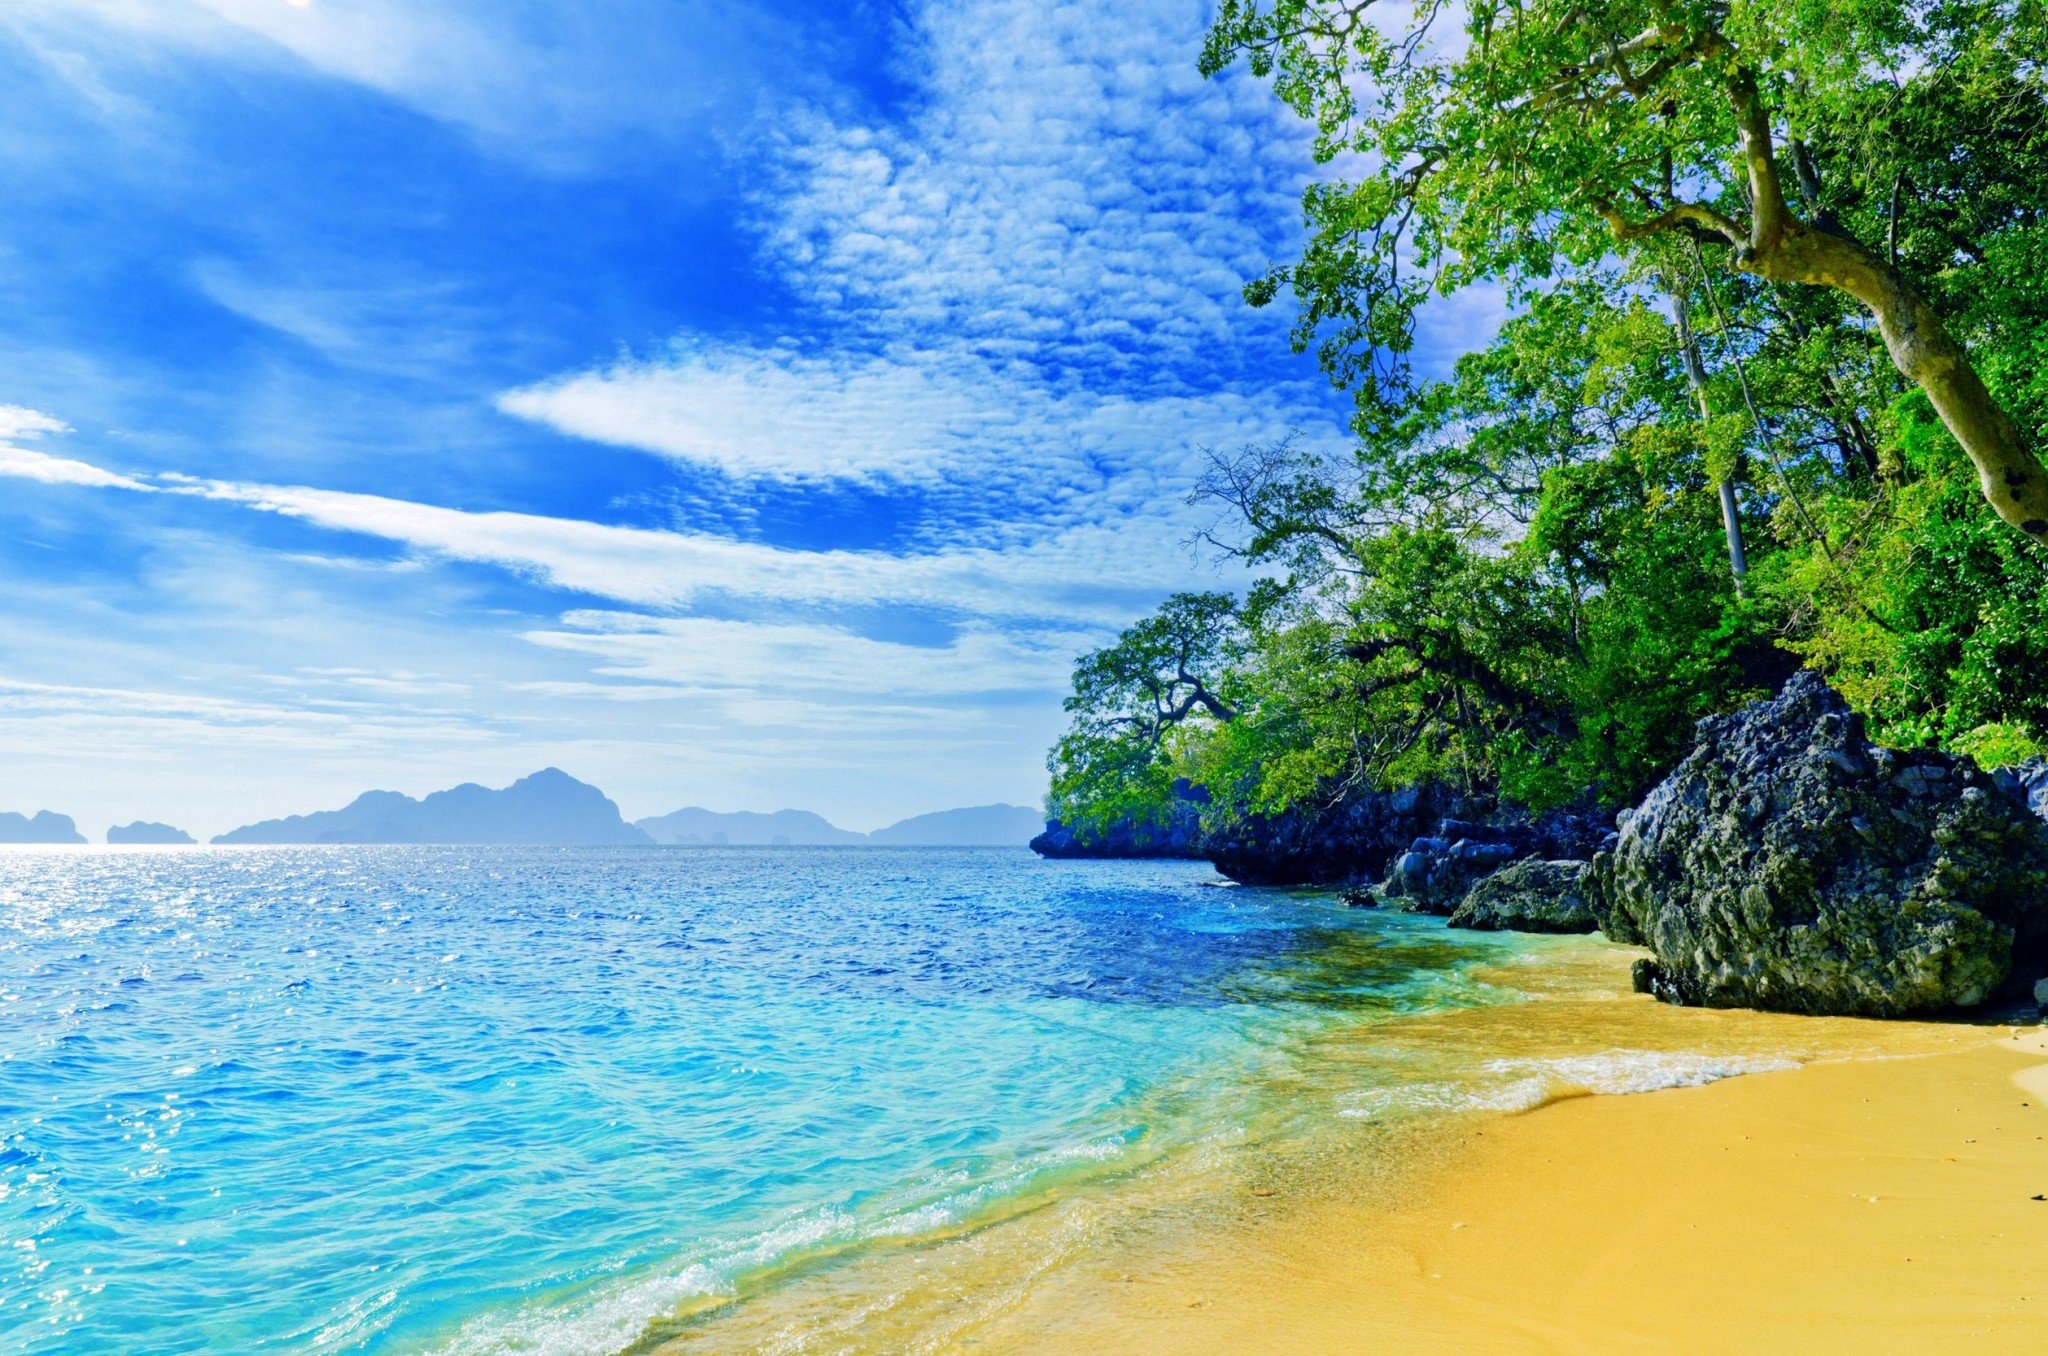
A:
1029, 285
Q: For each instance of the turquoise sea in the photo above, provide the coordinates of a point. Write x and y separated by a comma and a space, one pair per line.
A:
474, 1099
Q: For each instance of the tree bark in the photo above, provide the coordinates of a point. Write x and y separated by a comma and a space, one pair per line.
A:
1696, 377
1926, 354
1784, 249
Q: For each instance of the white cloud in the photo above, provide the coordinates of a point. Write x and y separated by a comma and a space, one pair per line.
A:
1031, 286
554, 84
930, 414
1069, 189
378, 325
1086, 573
819, 664
19, 424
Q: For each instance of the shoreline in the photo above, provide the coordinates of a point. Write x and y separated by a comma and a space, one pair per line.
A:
1726, 1210
1876, 1203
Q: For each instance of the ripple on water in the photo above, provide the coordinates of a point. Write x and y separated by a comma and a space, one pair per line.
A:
386, 1098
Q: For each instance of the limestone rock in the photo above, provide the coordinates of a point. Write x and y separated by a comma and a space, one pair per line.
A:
1532, 895
1435, 873
1790, 864
1175, 832
2027, 782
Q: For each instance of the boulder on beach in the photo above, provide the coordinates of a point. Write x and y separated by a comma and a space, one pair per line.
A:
1532, 895
1439, 871
1436, 872
1790, 864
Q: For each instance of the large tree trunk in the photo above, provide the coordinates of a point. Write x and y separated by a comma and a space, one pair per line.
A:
1926, 354
1783, 248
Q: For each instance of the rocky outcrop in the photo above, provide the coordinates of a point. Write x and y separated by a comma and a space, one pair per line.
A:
1433, 875
2027, 783
1790, 864
1532, 895
1437, 872
1175, 832
1351, 838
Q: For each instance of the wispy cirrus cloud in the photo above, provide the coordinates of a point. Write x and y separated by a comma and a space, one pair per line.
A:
1079, 575
19, 424
821, 664
560, 86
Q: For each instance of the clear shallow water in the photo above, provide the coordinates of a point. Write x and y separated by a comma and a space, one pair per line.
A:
493, 1099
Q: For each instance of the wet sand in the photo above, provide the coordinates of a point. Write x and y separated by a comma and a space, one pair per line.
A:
1870, 1205
1878, 1197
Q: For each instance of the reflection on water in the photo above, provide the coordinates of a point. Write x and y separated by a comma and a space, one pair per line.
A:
392, 1098
580, 1100
1363, 1110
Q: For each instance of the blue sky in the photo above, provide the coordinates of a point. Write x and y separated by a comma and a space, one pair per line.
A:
744, 406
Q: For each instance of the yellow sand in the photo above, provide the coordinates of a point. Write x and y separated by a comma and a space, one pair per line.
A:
1875, 1200
1878, 1205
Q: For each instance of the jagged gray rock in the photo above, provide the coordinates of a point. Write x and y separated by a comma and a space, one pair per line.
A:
1435, 873
2029, 782
1532, 895
1790, 864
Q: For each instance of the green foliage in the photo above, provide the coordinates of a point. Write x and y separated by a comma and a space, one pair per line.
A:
1934, 624
1138, 703
1519, 576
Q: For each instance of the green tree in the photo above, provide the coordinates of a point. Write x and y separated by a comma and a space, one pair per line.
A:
1137, 702
1549, 134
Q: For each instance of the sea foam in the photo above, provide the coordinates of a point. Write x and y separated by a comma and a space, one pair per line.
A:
1525, 1084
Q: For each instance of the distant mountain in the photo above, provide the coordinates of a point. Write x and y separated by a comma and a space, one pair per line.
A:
44, 828
142, 831
797, 828
974, 826
550, 807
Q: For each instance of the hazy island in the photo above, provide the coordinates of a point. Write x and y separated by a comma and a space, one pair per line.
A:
44, 826
552, 808
142, 832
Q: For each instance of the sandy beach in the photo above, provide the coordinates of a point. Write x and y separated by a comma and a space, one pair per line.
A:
1872, 1205
1878, 1195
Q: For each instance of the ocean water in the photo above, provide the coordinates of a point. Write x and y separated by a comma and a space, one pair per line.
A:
420, 1099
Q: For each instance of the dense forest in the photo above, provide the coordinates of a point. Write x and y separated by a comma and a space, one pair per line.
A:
1768, 398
